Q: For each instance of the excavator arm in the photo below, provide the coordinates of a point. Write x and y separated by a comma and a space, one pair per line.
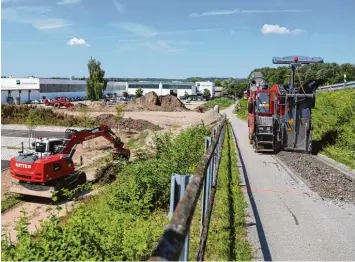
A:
74, 137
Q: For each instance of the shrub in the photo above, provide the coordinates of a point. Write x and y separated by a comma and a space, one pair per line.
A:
125, 220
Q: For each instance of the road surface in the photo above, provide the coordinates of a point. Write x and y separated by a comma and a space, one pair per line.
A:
291, 222
23, 133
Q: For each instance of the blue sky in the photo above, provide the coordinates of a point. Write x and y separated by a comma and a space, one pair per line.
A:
170, 38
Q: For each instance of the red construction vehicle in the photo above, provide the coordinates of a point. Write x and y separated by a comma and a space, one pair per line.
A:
50, 168
280, 117
59, 102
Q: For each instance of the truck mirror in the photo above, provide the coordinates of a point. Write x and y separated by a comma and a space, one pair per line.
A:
33, 144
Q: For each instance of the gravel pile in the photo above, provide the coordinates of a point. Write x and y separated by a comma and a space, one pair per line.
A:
326, 181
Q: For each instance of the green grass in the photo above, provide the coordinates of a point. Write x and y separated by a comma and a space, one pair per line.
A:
124, 221
138, 141
242, 109
227, 239
222, 102
334, 125
9, 201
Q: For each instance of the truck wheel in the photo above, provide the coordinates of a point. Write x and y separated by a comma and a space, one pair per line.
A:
56, 105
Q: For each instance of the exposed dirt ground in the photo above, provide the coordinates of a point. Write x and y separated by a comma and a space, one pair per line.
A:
92, 150
323, 179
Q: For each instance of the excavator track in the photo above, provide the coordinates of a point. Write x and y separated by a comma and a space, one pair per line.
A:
48, 190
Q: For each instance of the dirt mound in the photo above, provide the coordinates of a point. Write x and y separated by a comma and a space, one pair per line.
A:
150, 99
126, 123
152, 102
200, 109
172, 103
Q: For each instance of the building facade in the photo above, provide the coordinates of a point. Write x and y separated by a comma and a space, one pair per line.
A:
25, 89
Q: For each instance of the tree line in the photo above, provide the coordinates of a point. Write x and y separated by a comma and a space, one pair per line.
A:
328, 73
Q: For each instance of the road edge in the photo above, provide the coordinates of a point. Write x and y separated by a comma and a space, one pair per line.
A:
252, 232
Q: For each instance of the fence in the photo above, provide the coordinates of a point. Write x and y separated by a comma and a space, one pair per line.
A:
185, 192
337, 86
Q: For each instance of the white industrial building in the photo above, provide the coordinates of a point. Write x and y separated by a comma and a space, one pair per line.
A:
25, 89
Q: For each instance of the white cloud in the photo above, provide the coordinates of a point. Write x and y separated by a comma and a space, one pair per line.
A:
120, 7
68, 2
77, 41
128, 40
277, 29
241, 11
164, 45
37, 16
137, 29
189, 31
48, 24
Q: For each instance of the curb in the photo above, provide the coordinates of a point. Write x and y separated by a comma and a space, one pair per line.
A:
336, 165
296, 177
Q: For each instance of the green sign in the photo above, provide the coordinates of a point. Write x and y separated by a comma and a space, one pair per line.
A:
18, 82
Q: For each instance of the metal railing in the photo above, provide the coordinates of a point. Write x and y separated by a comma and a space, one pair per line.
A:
337, 86
174, 243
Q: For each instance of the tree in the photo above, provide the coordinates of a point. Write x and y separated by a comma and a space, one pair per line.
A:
139, 92
206, 93
125, 94
31, 124
95, 84
119, 113
218, 82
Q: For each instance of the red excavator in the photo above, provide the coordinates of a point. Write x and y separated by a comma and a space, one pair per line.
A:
50, 168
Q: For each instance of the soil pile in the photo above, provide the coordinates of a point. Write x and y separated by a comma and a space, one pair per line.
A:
200, 109
152, 102
126, 123
150, 99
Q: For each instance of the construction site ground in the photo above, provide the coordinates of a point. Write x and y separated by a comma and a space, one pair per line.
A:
91, 152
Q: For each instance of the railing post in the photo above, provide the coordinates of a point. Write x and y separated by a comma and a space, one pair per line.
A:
177, 190
205, 191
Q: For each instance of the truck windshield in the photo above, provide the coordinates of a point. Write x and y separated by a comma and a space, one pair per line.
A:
262, 103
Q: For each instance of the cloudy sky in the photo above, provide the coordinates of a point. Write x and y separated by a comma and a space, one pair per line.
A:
174, 39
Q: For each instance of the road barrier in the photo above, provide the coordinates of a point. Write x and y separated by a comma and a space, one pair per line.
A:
174, 243
336, 87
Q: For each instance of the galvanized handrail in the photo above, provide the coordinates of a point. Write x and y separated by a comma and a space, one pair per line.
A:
338, 86
171, 243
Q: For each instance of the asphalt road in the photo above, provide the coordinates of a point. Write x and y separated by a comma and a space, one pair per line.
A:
23, 133
5, 164
291, 222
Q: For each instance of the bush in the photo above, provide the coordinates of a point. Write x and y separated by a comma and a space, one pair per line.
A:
125, 220
242, 109
13, 114
221, 102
